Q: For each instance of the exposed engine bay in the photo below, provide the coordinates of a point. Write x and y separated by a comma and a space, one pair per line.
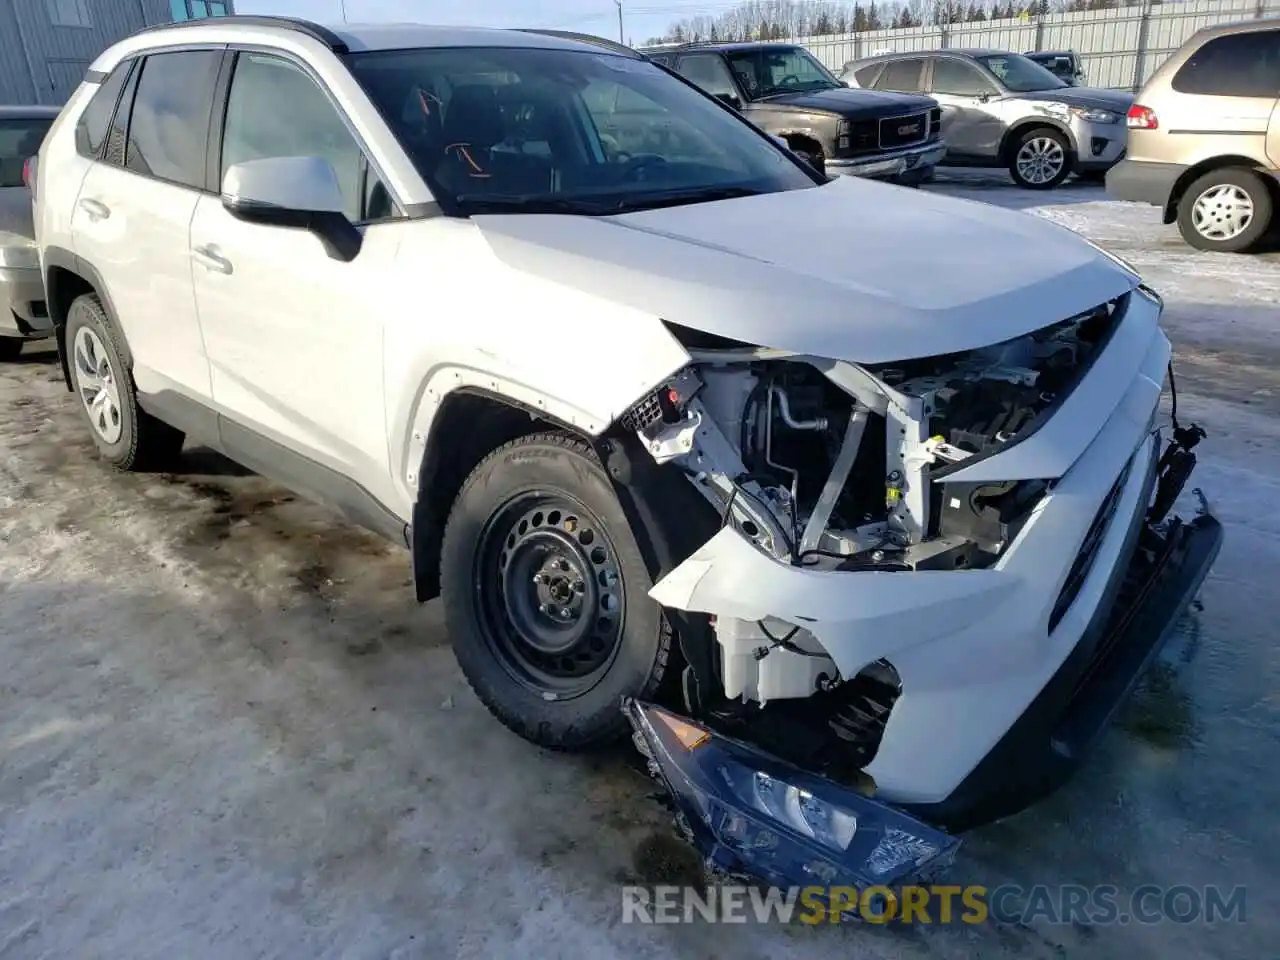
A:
846, 469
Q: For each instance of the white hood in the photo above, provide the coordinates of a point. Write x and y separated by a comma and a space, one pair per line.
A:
853, 270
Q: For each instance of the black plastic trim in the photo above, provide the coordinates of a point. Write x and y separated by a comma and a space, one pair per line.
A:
276, 462
1047, 744
295, 24
66, 260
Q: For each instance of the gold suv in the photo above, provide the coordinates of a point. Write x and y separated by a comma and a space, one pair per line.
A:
1204, 137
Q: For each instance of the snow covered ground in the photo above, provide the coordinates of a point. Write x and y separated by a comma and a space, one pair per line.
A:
227, 732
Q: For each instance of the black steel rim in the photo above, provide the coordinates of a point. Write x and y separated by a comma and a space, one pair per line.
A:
550, 594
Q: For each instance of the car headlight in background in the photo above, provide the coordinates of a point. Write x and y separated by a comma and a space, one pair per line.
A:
18, 252
1095, 115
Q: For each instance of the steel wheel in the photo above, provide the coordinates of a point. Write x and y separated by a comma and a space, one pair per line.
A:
549, 593
1041, 160
1222, 212
97, 385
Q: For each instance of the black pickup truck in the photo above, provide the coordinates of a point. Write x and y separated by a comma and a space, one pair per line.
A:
787, 92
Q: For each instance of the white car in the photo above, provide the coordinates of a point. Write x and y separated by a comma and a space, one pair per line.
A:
823, 482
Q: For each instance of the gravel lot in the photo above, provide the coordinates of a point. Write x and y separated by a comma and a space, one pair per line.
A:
226, 730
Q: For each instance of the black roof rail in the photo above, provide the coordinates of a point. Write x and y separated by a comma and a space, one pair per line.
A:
313, 30
582, 38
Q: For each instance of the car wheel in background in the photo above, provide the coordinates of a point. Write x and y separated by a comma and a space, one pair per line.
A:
126, 436
10, 348
1228, 209
545, 595
1040, 159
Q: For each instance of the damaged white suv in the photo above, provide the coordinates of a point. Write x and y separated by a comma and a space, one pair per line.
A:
812, 483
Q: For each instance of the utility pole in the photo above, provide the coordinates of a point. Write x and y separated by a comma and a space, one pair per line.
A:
618, 4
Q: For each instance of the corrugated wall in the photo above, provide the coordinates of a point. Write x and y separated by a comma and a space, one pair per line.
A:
1120, 48
42, 63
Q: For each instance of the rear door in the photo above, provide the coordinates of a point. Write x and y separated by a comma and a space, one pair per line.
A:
1226, 103
903, 76
132, 219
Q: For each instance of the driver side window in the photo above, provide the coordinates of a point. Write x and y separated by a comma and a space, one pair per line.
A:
274, 109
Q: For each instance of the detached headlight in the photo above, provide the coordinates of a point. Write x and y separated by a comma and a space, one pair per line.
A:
18, 252
749, 812
1095, 115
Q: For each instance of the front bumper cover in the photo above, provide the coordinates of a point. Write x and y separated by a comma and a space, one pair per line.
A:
890, 165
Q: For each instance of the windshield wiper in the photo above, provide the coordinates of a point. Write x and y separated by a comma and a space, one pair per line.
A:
653, 201
529, 203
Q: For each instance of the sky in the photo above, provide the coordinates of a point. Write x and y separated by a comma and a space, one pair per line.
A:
642, 19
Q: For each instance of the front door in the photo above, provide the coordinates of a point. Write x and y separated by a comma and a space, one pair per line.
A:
968, 126
295, 336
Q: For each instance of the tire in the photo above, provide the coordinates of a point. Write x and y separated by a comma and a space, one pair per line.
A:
126, 436
530, 503
1204, 210
10, 349
1050, 144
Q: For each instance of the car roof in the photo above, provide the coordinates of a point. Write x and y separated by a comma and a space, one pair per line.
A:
727, 46
21, 112
1241, 26
349, 37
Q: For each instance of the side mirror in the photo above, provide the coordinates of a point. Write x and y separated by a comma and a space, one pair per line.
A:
297, 192
728, 99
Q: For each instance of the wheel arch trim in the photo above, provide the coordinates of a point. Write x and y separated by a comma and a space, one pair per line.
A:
59, 258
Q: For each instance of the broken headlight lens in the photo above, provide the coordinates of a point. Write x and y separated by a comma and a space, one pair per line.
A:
750, 812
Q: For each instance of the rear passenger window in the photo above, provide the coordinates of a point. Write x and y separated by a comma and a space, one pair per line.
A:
169, 126
91, 128
905, 76
1237, 65
276, 110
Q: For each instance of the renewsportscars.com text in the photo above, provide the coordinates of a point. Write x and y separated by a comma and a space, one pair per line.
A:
939, 904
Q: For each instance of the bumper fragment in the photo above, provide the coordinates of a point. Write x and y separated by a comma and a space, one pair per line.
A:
1045, 747
751, 814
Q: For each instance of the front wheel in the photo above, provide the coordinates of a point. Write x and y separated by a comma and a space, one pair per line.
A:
546, 595
1040, 159
1228, 210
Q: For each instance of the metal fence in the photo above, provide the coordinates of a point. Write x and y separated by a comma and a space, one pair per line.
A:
1120, 48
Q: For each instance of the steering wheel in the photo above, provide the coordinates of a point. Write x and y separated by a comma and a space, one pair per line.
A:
637, 164
790, 76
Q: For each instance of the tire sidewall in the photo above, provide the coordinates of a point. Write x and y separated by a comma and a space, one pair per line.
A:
1247, 180
591, 717
85, 311
1068, 158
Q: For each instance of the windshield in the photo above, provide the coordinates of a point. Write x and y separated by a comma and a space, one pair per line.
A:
768, 71
19, 139
538, 130
1019, 74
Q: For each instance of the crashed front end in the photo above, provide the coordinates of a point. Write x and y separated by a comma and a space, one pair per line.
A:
939, 577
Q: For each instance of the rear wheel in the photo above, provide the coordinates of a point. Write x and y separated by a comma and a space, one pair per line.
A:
545, 595
10, 349
126, 436
1228, 210
1040, 159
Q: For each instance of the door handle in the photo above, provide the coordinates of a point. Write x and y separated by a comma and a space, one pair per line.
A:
96, 209
208, 257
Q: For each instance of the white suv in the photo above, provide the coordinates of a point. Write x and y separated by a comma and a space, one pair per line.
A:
855, 474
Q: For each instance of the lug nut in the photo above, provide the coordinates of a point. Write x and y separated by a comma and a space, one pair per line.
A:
579, 586
539, 578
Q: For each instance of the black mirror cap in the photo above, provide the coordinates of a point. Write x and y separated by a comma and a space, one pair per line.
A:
341, 238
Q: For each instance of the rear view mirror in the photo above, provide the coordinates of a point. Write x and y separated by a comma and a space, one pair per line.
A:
297, 192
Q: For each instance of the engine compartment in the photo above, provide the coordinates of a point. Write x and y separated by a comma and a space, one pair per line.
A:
845, 468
